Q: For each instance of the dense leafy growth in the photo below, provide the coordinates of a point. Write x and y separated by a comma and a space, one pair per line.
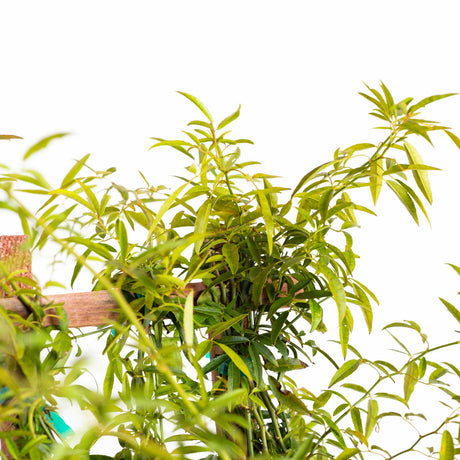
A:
270, 260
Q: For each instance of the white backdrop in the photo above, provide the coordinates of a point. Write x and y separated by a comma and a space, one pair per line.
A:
107, 71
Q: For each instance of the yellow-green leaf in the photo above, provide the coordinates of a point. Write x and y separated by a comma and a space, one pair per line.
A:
199, 104
268, 218
447, 446
188, 320
376, 178
42, 144
451, 309
201, 223
348, 453
337, 290
420, 176
229, 119
344, 371
231, 255
236, 359
410, 379
372, 413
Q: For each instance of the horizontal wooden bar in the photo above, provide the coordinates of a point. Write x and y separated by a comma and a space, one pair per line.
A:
94, 308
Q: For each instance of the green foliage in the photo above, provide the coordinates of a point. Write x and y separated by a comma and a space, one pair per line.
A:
270, 261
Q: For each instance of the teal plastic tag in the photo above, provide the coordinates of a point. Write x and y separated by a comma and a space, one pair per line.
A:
59, 425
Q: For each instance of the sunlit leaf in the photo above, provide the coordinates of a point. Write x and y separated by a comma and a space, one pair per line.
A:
188, 320
446, 452
372, 414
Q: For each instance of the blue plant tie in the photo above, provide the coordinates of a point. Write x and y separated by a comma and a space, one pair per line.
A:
55, 419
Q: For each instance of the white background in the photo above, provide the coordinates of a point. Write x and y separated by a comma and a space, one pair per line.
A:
107, 71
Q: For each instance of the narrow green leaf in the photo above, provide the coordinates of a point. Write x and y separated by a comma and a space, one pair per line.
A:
372, 414
73, 171
316, 314
122, 236
229, 119
268, 218
228, 399
446, 451
231, 255
164, 208
454, 138
376, 178
356, 419
348, 453
255, 364
73, 196
108, 380
43, 143
451, 309
188, 321
420, 176
259, 283
201, 223
344, 371
303, 449
95, 247
199, 104
429, 100
277, 326
337, 290
219, 328
410, 379
236, 359
404, 197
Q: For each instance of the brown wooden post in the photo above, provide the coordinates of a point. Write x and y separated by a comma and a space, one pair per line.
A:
15, 257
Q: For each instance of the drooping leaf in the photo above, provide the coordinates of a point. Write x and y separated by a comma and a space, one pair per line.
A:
420, 176
199, 104
73, 171
337, 290
268, 218
404, 197
8, 137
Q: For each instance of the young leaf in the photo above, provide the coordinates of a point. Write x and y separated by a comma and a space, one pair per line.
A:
344, 371
43, 143
420, 176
